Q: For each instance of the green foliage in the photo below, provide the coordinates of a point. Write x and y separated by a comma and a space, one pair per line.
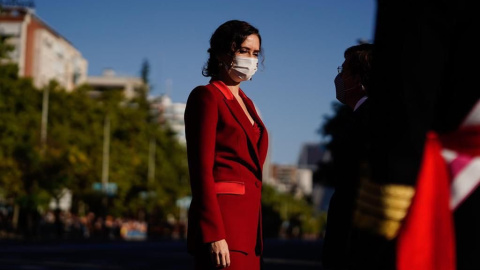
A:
279, 207
334, 130
73, 154
5, 48
145, 72
334, 126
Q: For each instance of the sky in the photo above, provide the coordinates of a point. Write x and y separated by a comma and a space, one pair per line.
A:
303, 43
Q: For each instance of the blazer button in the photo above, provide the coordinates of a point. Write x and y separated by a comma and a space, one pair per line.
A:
257, 184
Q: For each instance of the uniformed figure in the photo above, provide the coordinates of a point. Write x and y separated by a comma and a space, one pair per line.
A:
416, 210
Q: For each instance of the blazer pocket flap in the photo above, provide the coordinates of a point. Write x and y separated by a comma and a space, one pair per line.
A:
230, 187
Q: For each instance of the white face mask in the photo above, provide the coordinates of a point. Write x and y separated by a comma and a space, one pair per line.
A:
243, 68
340, 92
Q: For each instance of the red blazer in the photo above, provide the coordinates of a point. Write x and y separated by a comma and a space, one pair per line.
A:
225, 167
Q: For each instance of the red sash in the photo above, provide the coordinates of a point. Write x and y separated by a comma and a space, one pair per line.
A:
427, 237
426, 240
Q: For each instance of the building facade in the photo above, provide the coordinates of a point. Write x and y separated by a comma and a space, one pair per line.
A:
310, 155
108, 81
292, 179
166, 111
297, 179
41, 52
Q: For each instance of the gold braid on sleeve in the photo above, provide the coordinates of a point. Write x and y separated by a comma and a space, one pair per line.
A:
381, 208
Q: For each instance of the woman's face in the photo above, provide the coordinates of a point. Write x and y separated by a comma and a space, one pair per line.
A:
250, 47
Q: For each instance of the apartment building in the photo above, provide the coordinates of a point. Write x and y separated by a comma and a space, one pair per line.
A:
41, 53
171, 113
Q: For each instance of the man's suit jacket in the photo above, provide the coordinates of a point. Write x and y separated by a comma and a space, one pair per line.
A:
349, 155
225, 166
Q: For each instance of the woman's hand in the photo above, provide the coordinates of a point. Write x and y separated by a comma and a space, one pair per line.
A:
220, 253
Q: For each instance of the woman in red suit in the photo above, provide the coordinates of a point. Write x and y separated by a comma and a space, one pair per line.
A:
226, 144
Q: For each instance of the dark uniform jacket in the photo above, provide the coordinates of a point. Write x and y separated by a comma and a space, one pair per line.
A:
425, 78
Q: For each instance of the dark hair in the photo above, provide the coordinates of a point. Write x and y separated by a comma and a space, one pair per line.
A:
359, 62
226, 40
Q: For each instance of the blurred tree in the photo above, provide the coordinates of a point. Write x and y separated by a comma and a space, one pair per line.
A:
19, 151
73, 156
145, 72
283, 208
5, 47
334, 130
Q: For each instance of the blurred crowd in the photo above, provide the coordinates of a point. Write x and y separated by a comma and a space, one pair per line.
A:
64, 225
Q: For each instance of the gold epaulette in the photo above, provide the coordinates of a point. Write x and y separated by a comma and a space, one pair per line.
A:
382, 208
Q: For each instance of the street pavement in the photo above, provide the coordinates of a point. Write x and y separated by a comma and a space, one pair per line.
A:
131, 255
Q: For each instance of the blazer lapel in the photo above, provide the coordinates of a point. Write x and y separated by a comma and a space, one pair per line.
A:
263, 141
239, 114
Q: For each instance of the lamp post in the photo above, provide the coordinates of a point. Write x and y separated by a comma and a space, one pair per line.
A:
151, 160
106, 153
43, 131
105, 163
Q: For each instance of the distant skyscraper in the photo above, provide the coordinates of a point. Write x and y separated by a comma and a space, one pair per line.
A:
310, 155
41, 53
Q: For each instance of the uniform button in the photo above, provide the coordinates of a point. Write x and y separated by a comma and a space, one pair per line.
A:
257, 184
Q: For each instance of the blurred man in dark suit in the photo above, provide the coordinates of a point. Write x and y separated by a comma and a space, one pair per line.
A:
348, 151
